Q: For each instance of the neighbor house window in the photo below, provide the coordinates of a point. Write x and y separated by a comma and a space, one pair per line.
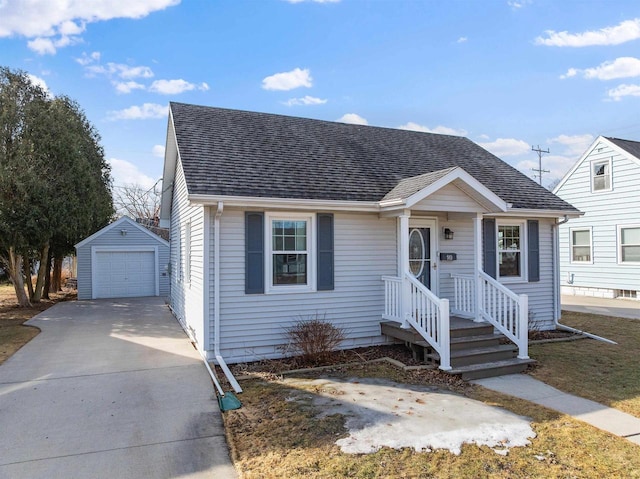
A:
629, 244
581, 245
511, 250
290, 241
601, 175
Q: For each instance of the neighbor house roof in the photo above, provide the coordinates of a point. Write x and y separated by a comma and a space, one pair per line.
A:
632, 147
247, 154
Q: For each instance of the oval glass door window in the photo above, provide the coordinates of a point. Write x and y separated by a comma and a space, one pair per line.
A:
416, 252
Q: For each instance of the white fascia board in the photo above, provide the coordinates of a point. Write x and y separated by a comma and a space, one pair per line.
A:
169, 171
580, 161
531, 213
291, 204
459, 174
117, 223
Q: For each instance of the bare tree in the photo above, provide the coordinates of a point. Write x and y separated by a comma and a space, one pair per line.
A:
137, 202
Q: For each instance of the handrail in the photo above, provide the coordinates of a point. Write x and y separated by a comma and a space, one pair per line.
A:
506, 311
464, 298
429, 315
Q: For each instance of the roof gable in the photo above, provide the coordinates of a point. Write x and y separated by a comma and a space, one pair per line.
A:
256, 155
124, 221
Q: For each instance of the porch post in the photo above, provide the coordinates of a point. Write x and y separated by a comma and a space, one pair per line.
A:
477, 232
403, 266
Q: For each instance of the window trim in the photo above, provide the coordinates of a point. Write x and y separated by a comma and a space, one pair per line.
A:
619, 244
592, 176
310, 218
524, 252
571, 245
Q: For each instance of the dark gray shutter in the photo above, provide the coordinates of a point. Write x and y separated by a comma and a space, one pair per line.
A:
489, 246
254, 252
533, 246
325, 252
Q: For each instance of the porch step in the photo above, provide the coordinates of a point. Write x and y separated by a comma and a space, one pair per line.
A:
475, 356
492, 369
477, 341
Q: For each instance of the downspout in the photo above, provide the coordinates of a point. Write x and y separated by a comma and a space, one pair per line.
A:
556, 286
216, 301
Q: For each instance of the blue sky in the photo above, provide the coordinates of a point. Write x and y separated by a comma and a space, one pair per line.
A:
508, 74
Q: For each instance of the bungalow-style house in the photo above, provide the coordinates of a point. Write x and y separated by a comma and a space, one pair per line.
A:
600, 251
389, 234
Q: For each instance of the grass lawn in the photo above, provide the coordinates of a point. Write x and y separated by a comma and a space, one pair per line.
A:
13, 334
602, 372
271, 436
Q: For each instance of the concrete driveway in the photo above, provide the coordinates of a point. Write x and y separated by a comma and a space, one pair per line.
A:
109, 388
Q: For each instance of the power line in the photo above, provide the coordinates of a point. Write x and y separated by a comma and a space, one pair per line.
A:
539, 170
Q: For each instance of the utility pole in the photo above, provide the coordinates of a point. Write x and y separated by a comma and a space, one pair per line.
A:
539, 170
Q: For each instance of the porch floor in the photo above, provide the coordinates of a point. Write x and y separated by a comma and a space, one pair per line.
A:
476, 350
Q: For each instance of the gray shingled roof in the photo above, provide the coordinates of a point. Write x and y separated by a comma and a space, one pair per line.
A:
632, 147
240, 153
409, 186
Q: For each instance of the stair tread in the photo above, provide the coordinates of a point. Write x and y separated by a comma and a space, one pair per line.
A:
477, 337
490, 365
459, 353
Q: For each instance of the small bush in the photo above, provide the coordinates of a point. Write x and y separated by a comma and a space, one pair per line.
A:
314, 339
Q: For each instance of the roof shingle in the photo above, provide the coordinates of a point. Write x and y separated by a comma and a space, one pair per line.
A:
239, 153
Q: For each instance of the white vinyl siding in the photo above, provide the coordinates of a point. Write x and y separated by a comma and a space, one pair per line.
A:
253, 326
604, 212
187, 248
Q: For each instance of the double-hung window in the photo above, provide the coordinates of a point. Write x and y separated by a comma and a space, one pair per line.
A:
581, 246
601, 175
629, 244
290, 258
511, 251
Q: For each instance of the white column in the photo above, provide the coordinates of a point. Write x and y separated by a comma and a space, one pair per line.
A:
477, 233
403, 266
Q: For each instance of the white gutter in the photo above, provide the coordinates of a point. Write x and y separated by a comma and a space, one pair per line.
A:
216, 301
556, 286
289, 203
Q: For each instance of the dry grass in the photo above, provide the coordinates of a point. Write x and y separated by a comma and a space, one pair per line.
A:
13, 334
273, 437
606, 373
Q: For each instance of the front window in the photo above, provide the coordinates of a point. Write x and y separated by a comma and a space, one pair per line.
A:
510, 250
601, 175
581, 246
290, 256
630, 244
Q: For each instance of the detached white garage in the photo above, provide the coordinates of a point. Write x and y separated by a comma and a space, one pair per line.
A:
122, 260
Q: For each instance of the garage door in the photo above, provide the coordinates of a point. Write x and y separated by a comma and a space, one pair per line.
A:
124, 274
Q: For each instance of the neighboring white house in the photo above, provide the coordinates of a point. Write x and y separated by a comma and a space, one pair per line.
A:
276, 218
123, 259
600, 251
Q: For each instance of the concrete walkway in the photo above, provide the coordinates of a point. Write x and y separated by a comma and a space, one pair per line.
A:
109, 388
621, 308
525, 387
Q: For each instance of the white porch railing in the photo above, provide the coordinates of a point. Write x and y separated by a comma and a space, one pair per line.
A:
507, 311
411, 303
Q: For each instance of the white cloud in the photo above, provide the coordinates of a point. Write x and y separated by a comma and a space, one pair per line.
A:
39, 82
352, 118
296, 78
623, 90
462, 40
558, 165
304, 101
574, 145
571, 72
158, 150
60, 21
506, 147
144, 112
623, 67
126, 173
87, 59
624, 32
128, 86
120, 70
515, 4
443, 130
173, 87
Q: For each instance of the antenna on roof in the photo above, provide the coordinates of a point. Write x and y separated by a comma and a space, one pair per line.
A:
539, 170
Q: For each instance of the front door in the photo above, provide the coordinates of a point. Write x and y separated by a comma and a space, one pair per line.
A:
421, 254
